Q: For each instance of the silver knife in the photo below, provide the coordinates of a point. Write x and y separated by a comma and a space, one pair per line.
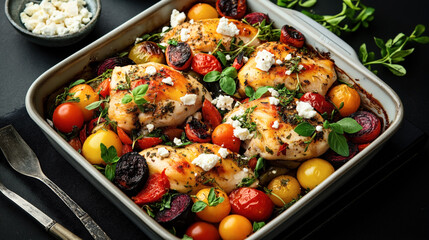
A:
54, 228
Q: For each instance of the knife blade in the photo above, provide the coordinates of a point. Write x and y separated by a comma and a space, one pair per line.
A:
56, 229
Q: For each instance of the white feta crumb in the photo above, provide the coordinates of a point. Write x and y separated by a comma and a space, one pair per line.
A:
237, 104
300, 67
206, 161
223, 102
150, 127
274, 101
278, 62
164, 30
288, 72
177, 18
245, 59
242, 133
196, 174
177, 141
236, 124
138, 39
151, 70
275, 124
189, 99
274, 93
228, 57
319, 128
288, 57
168, 81
264, 60
305, 110
225, 28
185, 34
274, 171
223, 152
191, 21
245, 170
163, 152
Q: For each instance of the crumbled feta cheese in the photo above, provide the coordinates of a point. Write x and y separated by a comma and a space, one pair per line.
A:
274, 171
185, 34
163, 152
236, 124
245, 170
223, 102
275, 124
189, 99
191, 21
288, 57
242, 133
151, 70
305, 110
177, 18
177, 141
319, 128
264, 60
164, 30
227, 29
273, 92
168, 81
274, 101
196, 174
278, 62
288, 72
223, 152
138, 40
300, 67
150, 127
228, 57
245, 59
206, 161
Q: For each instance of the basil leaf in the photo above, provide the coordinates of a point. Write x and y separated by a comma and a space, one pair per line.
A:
212, 76
126, 99
338, 143
77, 82
109, 171
349, 125
212, 196
229, 72
260, 92
257, 226
140, 90
308, 3
198, 206
227, 84
94, 105
336, 128
305, 129
396, 69
259, 165
249, 91
422, 40
221, 57
140, 100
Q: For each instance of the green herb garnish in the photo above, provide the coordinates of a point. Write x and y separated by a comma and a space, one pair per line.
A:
226, 79
137, 96
292, 3
110, 157
212, 201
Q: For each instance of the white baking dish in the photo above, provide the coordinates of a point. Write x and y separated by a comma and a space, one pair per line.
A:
158, 16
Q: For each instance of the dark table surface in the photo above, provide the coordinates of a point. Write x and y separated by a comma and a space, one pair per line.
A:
388, 200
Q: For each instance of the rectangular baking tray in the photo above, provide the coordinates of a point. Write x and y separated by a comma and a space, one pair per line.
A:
157, 16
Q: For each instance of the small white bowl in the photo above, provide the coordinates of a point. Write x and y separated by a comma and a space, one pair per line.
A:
13, 8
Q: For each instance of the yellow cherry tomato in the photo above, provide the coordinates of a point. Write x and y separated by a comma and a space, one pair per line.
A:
86, 95
346, 96
235, 227
284, 189
216, 213
91, 147
202, 11
312, 172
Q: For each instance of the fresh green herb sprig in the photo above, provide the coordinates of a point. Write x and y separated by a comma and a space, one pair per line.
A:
212, 201
292, 3
257, 226
392, 51
266, 32
226, 79
165, 203
110, 157
253, 95
62, 98
246, 120
137, 96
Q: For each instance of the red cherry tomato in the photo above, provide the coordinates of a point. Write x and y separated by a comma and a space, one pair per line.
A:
155, 187
104, 88
197, 131
203, 63
251, 203
231, 9
149, 142
238, 61
92, 124
318, 102
173, 133
252, 163
67, 117
179, 56
246, 100
76, 143
203, 231
211, 114
291, 36
125, 139
126, 149
223, 135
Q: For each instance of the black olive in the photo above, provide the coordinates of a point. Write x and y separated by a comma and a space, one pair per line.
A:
131, 173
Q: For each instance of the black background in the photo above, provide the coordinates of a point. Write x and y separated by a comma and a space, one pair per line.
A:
392, 204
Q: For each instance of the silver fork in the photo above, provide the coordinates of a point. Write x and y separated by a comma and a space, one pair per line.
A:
20, 156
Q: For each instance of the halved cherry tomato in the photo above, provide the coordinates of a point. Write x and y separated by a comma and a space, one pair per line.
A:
76, 143
291, 36
86, 96
155, 187
179, 56
104, 88
173, 133
223, 135
203, 63
203, 231
67, 117
148, 142
318, 102
251, 203
125, 139
197, 131
211, 114
235, 227
231, 9
126, 149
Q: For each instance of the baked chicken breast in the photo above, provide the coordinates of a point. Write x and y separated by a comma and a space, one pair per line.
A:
186, 177
171, 96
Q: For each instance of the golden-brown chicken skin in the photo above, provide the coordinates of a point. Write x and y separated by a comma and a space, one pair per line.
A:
281, 143
317, 74
186, 177
164, 105
204, 38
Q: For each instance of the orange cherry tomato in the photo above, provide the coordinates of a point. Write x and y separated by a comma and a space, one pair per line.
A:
346, 96
203, 231
125, 139
203, 63
86, 96
251, 203
235, 227
211, 114
149, 142
67, 117
202, 11
312, 172
231, 9
223, 135
104, 88
155, 187
216, 213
